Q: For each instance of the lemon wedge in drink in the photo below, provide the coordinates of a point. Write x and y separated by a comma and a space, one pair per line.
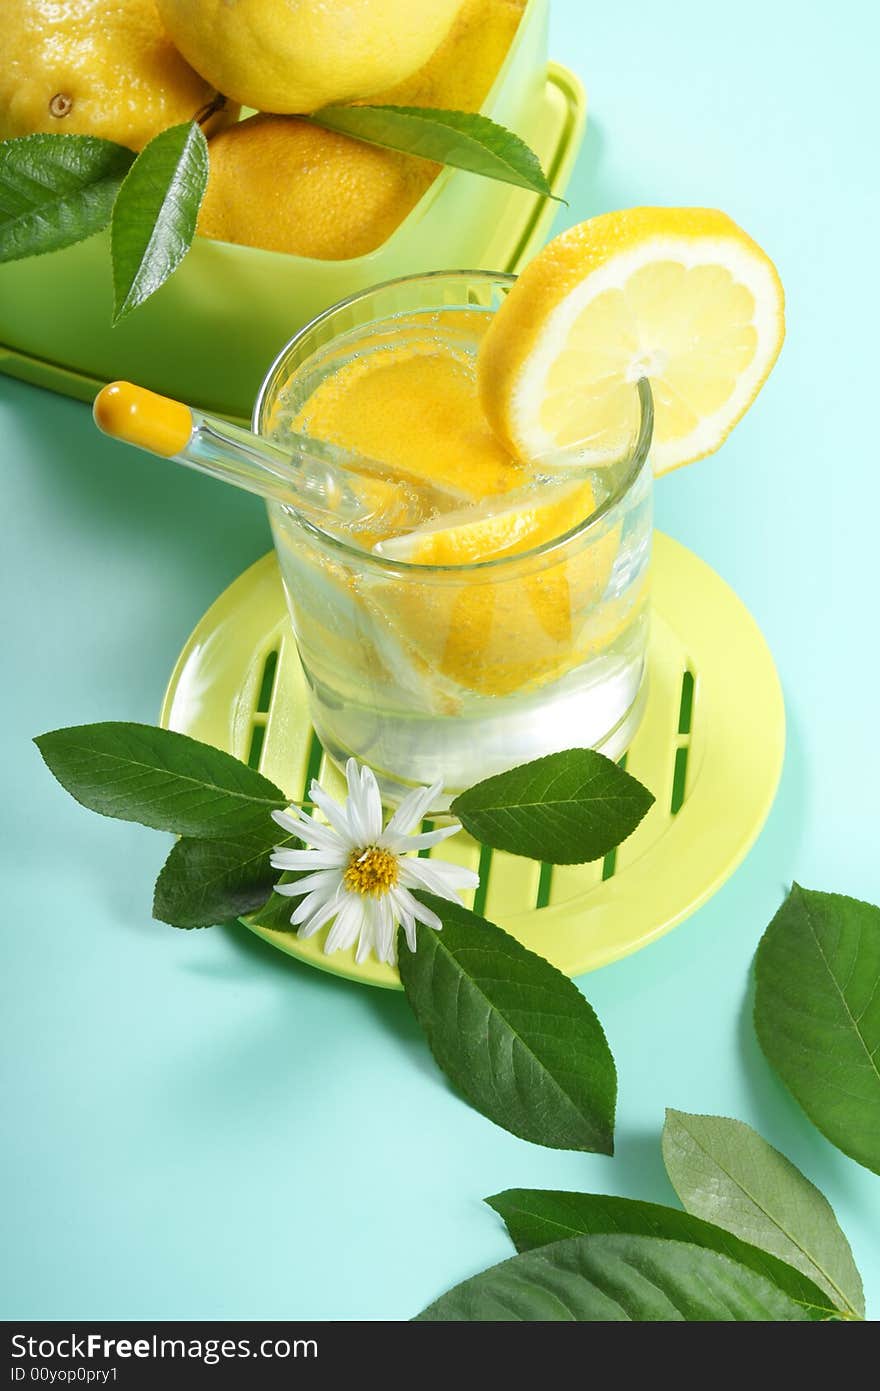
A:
498, 635
496, 527
682, 296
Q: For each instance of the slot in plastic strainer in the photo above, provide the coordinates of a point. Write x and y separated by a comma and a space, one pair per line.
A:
710, 748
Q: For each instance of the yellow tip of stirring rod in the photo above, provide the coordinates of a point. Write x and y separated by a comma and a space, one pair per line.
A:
141, 417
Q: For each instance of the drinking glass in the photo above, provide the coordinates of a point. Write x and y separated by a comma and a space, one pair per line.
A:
455, 672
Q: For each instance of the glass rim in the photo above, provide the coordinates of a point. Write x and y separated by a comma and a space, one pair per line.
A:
638, 457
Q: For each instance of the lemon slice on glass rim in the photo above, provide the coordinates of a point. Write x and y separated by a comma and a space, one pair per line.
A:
682, 296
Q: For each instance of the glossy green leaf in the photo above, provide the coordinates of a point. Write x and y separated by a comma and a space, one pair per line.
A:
564, 809
598, 1279
817, 1014
724, 1172
513, 1034
136, 772
155, 215
204, 882
463, 139
56, 190
536, 1217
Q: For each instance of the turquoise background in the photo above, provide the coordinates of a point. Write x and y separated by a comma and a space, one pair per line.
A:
199, 1127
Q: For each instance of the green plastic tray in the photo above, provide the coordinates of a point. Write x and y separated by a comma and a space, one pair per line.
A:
710, 748
211, 332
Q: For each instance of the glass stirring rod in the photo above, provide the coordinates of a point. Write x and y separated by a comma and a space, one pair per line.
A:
336, 488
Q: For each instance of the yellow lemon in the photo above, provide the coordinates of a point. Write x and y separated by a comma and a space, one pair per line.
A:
496, 631
285, 185
95, 67
292, 56
679, 295
411, 400
414, 404
459, 75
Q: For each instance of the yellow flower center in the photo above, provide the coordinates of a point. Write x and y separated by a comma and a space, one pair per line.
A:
371, 871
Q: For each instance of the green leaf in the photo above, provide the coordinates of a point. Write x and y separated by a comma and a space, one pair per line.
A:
514, 1035
598, 1279
817, 1014
137, 772
56, 190
460, 138
535, 1217
154, 219
724, 1172
204, 882
565, 809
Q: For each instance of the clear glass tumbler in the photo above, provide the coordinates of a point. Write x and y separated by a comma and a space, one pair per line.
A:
455, 672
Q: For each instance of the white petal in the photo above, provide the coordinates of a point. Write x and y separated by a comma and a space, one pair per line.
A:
374, 803
313, 903
348, 924
364, 803
412, 809
402, 899
318, 919
385, 924
308, 859
320, 836
310, 830
335, 814
354, 810
286, 890
438, 877
287, 820
423, 914
367, 936
291, 819
305, 883
309, 908
424, 841
329, 878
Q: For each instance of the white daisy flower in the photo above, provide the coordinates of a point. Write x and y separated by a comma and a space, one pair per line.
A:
359, 875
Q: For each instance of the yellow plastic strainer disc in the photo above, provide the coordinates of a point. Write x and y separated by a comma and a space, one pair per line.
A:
709, 747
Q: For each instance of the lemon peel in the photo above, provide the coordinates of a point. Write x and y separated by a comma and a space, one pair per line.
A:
293, 56
97, 67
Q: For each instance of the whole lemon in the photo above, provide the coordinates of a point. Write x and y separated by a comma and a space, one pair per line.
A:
95, 67
460, 73
282, 184
296, 55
